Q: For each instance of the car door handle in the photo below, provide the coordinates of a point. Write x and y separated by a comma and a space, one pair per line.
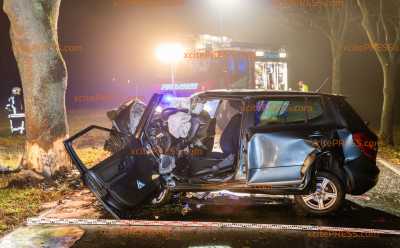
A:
316, 135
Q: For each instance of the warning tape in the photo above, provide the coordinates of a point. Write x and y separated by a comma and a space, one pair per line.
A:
57, 221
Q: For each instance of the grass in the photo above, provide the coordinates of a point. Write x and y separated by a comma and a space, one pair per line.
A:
19, 203
10, 159
79, 119
92, 156
12, 147
391, 153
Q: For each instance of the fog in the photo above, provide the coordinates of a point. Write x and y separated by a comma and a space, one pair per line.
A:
115, 43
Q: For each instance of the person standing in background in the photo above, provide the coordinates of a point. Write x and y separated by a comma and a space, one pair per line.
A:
303, 86
15, 110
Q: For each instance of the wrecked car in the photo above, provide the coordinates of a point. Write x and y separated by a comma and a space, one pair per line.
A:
310, 145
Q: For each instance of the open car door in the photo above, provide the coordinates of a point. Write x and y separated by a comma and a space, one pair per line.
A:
122, 178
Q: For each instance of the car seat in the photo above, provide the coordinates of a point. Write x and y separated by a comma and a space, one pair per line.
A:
216, 162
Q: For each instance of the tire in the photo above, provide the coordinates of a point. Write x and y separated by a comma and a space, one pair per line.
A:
327, 199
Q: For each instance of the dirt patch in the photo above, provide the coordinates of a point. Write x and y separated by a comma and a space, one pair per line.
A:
77, 204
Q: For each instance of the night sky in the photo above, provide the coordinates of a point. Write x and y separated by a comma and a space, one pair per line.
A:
111, 44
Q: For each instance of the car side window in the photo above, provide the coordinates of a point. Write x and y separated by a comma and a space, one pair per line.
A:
314, 108
211, 107
280, 111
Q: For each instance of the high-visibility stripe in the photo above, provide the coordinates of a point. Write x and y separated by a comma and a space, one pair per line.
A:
56, 221
19, 115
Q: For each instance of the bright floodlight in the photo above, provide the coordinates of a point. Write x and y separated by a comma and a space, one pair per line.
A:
170, 53
282, 55
224, 3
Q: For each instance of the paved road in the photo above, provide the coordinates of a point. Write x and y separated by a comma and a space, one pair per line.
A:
102, 237
386, 194
360, 213
194, 237
353, 215
379, 210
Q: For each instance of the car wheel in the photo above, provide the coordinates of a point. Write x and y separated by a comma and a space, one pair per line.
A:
327, 198
162, 197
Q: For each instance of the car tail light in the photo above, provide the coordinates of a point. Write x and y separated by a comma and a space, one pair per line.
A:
367, 145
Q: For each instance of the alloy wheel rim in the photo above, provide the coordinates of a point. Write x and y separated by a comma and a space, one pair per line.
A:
324, 197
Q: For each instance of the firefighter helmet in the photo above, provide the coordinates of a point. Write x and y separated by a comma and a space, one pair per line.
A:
16, 91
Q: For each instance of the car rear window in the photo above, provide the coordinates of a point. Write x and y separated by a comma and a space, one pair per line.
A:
353, 120
314, 109
280, 111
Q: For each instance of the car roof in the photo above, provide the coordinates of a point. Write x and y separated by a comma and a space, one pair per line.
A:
242, 93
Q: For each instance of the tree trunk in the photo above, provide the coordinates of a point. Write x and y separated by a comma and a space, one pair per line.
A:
388, 60
43, 73
337, 48
337, 73
389, 90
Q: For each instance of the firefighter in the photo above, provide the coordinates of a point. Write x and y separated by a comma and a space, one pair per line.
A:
15, 110
303, 86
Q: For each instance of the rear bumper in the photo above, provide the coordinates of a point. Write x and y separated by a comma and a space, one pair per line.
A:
362, 175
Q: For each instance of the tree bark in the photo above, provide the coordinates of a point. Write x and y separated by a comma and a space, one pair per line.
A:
337, 74
43, 73
337, 55
386, 132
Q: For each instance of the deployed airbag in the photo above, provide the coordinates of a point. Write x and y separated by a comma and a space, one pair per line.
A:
179, 124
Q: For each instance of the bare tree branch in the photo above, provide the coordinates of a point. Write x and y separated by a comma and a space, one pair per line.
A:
388, 54
383, 22
333, 23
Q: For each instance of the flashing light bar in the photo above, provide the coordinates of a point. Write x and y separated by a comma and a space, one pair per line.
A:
180, 86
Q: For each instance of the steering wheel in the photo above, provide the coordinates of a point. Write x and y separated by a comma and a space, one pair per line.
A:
159, 136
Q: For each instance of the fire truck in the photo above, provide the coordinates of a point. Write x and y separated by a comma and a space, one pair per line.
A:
219, 63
